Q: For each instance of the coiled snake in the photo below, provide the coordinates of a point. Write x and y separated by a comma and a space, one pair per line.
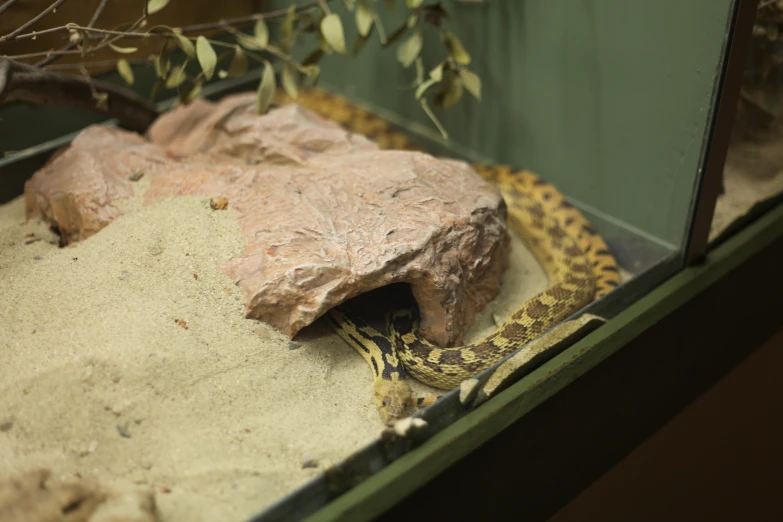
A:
576, 259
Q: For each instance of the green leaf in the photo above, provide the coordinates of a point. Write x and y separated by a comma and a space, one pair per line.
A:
472, 82
160, 29
177, 76
238, 65
364, 19
191, 93
261, 33
153, 6
413, 4
206, 56
155, 89
266, 89
433, 118
288, 79
124, 68
287, 33
162, 64
424, 86
350, 4
124, 50
455, 49
437, 73
323, 44
312, 71
332, 31
409, 50
419, 70
186, 45
248, 42
450, 92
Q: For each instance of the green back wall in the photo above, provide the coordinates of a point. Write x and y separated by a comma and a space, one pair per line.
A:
608, 99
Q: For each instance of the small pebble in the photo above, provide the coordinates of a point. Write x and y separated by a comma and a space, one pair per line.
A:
218, 203
309, 461
122, 429
6, 425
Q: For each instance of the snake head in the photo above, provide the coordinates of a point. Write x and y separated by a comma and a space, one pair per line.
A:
393, 398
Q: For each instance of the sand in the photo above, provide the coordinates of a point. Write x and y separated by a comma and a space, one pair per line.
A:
744, 188
127, 359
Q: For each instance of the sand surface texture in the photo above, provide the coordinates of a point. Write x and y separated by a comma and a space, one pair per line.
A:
127, 359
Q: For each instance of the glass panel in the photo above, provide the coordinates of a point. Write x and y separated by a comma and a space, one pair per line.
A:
611, 106
752, 180
607, 100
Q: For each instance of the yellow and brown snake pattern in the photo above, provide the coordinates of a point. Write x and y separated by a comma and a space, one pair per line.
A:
576, 259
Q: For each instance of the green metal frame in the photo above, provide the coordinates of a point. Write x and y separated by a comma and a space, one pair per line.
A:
383, 490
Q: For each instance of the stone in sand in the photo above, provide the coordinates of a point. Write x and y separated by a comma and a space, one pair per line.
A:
327, 215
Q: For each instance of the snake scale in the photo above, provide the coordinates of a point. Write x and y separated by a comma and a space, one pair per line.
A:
577, 261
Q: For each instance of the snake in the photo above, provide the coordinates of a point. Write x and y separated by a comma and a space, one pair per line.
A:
577, 261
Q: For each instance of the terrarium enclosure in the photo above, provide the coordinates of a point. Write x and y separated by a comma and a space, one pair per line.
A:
162, 383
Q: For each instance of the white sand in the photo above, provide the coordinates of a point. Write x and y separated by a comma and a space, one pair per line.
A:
98, 378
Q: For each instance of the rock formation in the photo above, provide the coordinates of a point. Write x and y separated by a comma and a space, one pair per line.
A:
327, 215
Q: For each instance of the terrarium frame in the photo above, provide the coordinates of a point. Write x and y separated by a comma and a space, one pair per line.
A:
377, 477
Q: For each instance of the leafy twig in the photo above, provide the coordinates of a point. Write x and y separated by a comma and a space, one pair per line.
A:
279, 13
72, 45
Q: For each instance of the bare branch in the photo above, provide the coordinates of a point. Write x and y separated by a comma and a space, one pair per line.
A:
96, 63
324, 7
221, 24
95, 15
8, 4
246, 19
35, 20
53, 54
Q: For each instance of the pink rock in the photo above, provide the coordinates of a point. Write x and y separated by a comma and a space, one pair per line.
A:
327, 215
77, 189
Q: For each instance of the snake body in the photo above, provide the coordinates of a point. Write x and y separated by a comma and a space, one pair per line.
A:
577, 261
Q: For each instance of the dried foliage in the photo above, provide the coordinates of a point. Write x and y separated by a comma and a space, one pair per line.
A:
250, 41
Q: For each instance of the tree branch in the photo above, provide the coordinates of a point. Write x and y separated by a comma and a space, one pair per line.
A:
20, 82
185, 29
247, 18
96, 63
71, 45
13, 34
7, 5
